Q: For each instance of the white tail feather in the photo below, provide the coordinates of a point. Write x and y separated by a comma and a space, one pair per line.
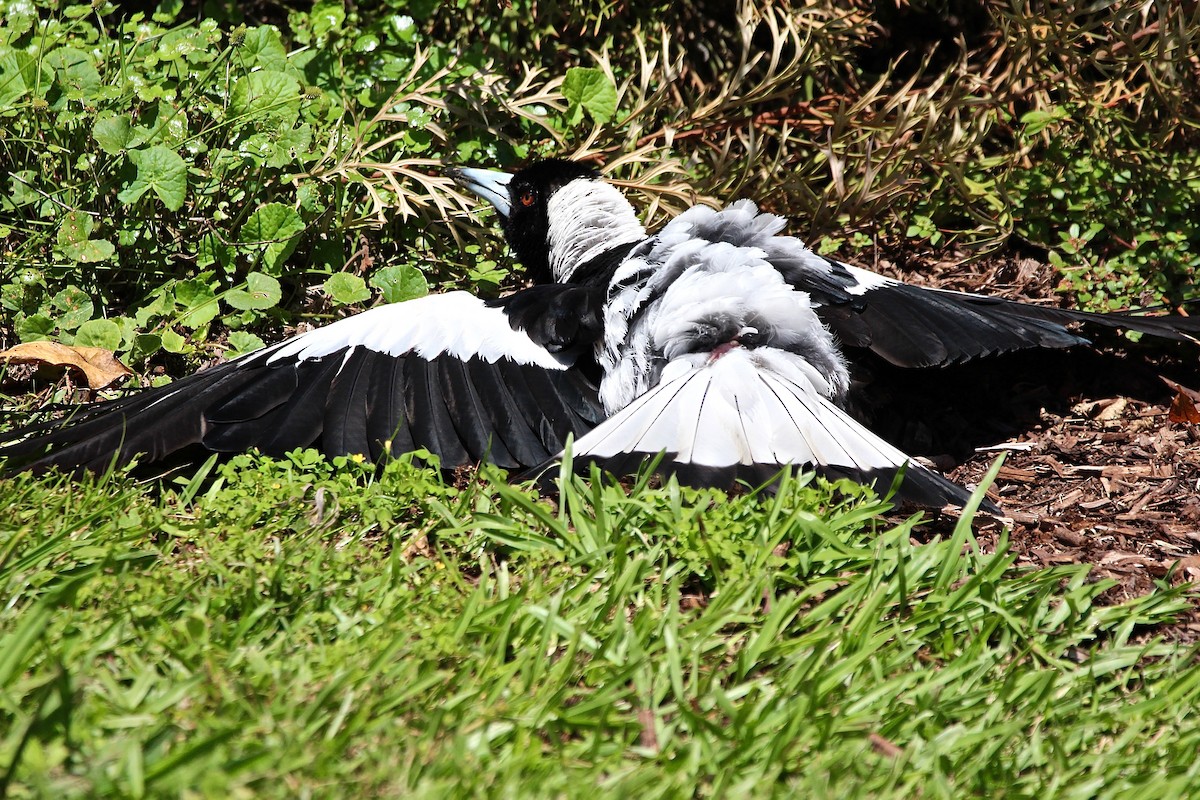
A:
738, 410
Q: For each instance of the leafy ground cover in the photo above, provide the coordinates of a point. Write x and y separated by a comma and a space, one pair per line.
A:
185, 181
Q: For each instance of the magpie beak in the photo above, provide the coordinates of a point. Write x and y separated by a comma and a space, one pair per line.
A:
491, 185
717, 343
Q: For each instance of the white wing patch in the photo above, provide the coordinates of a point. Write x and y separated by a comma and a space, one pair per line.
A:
867, 280
457, 324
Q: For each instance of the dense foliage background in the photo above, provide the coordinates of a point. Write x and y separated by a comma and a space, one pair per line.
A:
189, 179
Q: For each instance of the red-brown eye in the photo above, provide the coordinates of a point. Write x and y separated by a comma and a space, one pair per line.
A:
526, 198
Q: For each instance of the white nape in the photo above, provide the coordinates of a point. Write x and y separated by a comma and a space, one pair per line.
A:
586, 218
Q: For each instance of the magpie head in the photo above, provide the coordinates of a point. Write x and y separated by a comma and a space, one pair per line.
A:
556, 214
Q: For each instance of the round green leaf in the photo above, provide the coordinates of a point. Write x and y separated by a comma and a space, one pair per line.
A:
400, 283
145, 345
113, 134
213, 251
263, 47
275, 229
91, 251
35, 328
326, 16
345, 288
160, 170
74, 307
267, 93
589, 89
75, 72
99, 333
261, 292
74, 243
198, 301
76, 228
241, 342
21, 74
172, 342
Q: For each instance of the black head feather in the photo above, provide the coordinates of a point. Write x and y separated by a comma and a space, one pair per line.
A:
526, 227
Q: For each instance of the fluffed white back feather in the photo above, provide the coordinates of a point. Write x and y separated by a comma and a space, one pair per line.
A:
698, 277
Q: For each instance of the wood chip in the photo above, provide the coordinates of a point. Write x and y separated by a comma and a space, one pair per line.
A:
1008, 473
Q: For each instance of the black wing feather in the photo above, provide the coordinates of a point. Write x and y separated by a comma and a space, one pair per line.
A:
509, 415
469, 415
387, 415
353, 400
910, 326
345, 419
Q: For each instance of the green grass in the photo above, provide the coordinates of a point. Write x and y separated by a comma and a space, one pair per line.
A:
294, 628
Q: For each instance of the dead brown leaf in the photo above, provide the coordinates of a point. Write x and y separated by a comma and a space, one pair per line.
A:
1185, 405
100, 368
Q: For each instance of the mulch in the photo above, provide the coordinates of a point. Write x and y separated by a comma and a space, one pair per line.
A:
1101, 473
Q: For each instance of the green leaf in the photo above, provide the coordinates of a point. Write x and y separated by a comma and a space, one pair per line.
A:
345, 288
74, 243
34, 328
167, 11
400, 283
91, 251
19, 19
261, 292
263, 47
326, 17
99, 333
160, 170
241, 342
19, 76
275, 229
589, 89
267, 93
213, 250
1038, 120
75, 307
160, 306
289, 145
172, 342
199, 303
113, 134
75, 73
76, 228
145, 345
21, 189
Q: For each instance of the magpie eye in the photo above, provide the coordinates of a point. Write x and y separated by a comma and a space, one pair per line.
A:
526, 199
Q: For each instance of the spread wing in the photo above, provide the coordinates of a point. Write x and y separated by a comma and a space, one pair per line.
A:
443, 372
912, 326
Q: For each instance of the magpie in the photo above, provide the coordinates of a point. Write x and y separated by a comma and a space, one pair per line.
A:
716, 344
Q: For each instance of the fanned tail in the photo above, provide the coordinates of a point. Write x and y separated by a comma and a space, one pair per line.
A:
736, 419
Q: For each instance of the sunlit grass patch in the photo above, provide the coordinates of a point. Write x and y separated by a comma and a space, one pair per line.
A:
281, 630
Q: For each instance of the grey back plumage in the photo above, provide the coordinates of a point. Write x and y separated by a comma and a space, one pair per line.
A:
705, 280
